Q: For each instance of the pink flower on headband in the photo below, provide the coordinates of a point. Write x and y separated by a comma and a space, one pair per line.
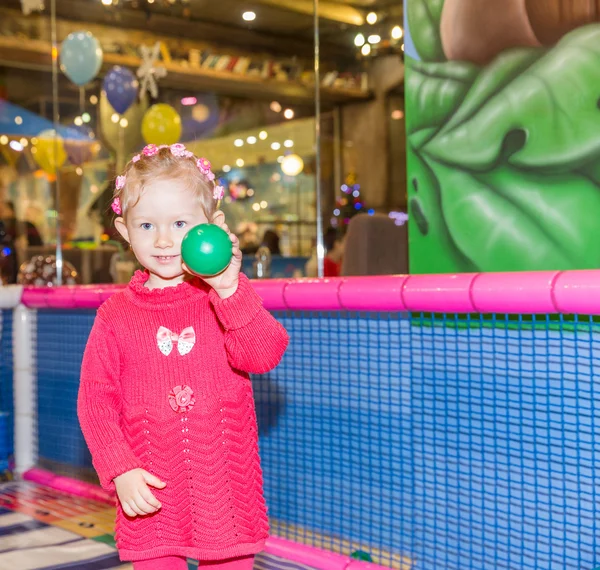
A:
120, 182
150, 150
136, 158
218, 193
203, 165
188, 154
178, 149
116, 206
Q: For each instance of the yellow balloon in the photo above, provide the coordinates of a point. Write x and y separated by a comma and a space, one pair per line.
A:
161, 125
49, 151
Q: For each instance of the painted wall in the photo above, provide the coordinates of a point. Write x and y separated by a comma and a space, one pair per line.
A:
503, 134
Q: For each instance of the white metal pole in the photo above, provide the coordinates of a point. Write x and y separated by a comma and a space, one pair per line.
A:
317, 65
25, 389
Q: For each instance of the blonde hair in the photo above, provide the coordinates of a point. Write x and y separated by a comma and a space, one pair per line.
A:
164, 165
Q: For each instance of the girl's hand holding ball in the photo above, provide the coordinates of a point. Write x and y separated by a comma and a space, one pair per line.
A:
213, 253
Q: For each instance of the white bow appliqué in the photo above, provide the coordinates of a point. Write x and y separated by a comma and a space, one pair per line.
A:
185, 341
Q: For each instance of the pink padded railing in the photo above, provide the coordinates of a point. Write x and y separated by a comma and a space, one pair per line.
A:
528, 292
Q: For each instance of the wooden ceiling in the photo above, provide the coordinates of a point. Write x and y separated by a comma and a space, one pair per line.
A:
281, 26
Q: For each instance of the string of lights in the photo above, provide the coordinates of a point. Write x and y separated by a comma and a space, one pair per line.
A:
379, 36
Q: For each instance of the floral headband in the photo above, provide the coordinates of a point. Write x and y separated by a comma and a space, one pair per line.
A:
176, 150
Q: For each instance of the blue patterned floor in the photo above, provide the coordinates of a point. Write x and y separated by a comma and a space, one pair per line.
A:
43, 529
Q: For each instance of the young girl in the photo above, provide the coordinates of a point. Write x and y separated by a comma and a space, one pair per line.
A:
165, 402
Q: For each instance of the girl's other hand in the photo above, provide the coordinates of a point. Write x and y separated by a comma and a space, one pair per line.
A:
133, 490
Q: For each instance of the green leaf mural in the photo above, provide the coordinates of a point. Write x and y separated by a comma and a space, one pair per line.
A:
511, 220
430, 239
537, 107
434, 90
424, 21
506, 160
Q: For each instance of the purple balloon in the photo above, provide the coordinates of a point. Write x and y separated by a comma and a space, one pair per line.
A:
121, 88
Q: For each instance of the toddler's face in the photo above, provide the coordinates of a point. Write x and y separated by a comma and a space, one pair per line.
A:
157, 224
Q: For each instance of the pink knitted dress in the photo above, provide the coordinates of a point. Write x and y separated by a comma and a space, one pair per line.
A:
165, 387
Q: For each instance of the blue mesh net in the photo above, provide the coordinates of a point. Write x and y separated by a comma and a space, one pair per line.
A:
6, 390
423, 441
60, 342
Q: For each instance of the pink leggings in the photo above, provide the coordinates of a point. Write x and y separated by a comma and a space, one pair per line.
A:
179, 563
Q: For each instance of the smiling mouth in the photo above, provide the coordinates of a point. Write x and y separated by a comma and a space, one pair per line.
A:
165, 257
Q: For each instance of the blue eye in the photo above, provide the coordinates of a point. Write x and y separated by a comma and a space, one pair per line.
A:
180, 225
146, 226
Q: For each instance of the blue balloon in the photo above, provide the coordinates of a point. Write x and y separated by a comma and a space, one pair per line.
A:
121, 88
80, 57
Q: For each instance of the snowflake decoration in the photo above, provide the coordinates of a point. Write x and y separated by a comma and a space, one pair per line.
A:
149, 72
29, 6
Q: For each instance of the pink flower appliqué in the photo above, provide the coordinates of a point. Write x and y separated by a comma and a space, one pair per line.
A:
218, 193
203, 165
181, 399
178, 149
136, 158
116, 206
150, 150
120, 182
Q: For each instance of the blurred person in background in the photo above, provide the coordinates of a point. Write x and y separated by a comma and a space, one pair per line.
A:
247, 234
8, 258
334, 254
18, 229
271, 240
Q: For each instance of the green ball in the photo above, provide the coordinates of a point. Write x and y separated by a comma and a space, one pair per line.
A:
206, 250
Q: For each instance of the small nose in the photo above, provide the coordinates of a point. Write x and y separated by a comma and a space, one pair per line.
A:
163, 240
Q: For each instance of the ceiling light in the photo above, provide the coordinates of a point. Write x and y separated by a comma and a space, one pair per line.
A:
24, 142
397, 32
288, 114
288, 144
280, 159
275, 107
188, 101
114, 118
262, 135
366, 49
86, 118
124, 122
239, 162
264, 204
251, 140
275, 146
397, 114
3, 139
93, 99
359, 40
226, 168
16, 145
107, 2
371, 18
78, 121
256, 206
238, 142
374, 39
249, 16
18, 120
292, 165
